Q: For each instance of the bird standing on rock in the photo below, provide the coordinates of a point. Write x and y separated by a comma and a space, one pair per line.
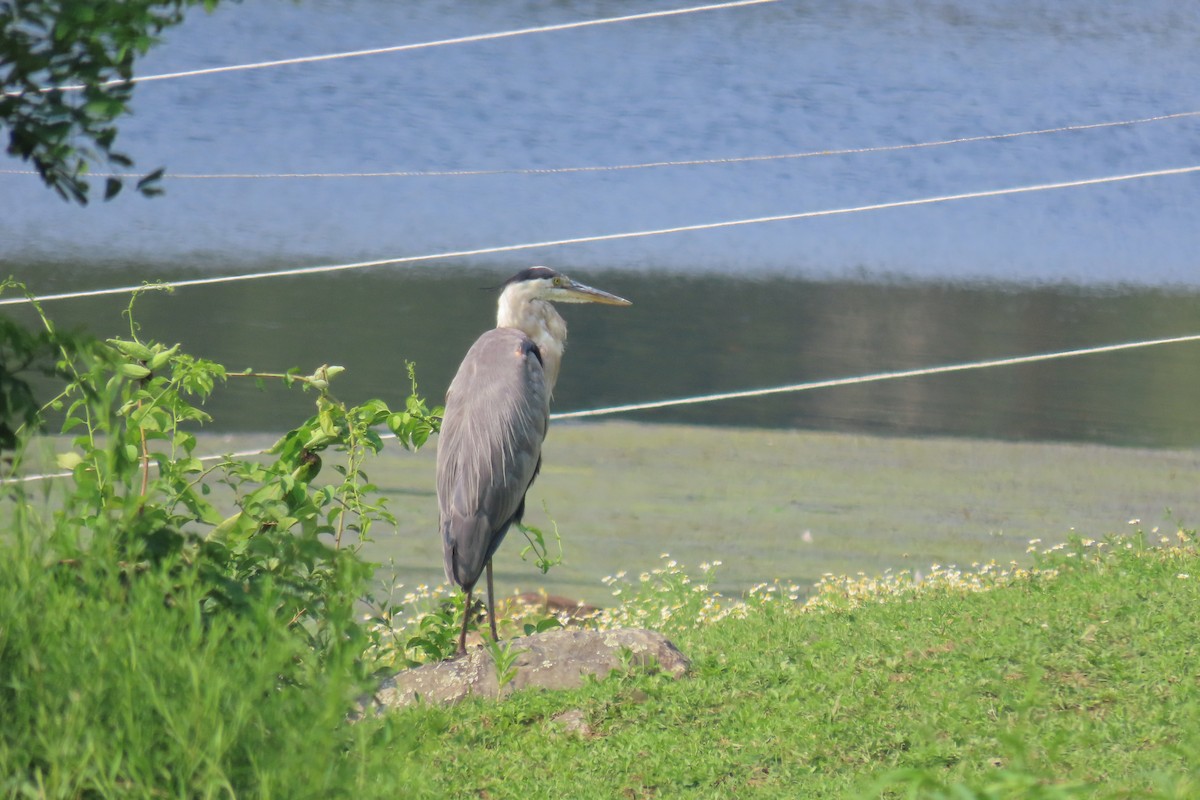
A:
497, 410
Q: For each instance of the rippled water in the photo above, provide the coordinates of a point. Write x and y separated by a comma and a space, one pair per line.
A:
779, 78
738, 308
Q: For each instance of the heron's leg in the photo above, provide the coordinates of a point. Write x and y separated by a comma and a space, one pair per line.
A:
462, 637
491, 603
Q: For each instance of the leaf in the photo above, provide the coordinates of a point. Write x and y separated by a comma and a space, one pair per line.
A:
147, 181
161, 358
112, 187
326, 421
319, 441
68, 460
132, 349
203, 510
189, 465
133, 371
420, 437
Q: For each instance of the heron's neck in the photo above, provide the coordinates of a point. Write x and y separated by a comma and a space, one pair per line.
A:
538, 320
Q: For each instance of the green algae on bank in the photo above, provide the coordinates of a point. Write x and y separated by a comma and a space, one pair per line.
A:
791, 504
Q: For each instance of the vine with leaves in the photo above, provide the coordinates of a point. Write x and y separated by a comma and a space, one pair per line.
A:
139, 499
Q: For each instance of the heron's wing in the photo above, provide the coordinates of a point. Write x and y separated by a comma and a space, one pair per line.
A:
489, 448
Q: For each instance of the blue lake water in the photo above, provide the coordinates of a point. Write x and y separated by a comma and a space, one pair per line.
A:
729, 309
778, 78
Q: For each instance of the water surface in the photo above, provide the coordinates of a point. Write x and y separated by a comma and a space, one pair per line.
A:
688, 336
756, 306
779, 78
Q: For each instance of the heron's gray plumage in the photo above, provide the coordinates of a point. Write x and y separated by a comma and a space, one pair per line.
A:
497, 410
490, 448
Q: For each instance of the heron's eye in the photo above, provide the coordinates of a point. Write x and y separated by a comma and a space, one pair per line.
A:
558, 281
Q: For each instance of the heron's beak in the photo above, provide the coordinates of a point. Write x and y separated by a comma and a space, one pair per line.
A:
574, 292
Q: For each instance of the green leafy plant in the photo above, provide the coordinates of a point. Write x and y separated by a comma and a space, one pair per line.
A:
504, 656
438, 631
666, 598
202, 611
140, 497
541, 626
536, 539
423, 625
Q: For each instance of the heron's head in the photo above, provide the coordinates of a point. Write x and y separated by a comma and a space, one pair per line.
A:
525, 304
543, 283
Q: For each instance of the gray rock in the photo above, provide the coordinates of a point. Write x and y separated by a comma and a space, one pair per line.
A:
574, 721
558, 659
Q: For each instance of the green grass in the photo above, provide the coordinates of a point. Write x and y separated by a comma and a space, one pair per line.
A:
115, 690
1076, 678
1079, 679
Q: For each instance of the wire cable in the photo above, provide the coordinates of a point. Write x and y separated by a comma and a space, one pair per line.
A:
402, 48
874, 378
692, 162
607, 237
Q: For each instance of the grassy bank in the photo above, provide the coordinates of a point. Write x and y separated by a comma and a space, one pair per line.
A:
1076, 677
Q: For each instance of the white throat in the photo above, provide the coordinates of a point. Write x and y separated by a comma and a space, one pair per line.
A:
520, 308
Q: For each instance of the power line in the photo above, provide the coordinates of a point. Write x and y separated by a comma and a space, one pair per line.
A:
608, 237
693, 162
481, 37
874, 378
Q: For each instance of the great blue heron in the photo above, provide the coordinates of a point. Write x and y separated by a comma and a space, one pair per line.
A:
497, 409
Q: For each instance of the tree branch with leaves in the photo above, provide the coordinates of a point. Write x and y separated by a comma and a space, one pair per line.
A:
65, 70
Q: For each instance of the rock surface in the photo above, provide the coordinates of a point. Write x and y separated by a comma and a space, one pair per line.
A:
558, 659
